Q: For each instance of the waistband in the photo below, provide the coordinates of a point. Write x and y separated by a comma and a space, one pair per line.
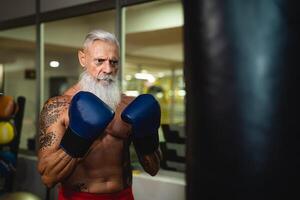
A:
65, 194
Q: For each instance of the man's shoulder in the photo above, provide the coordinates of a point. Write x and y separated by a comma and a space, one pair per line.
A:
57, 99
57, 102
127, 99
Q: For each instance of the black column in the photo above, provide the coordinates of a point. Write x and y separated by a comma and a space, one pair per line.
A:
242, 61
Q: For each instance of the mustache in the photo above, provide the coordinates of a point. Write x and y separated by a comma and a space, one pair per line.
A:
106, 77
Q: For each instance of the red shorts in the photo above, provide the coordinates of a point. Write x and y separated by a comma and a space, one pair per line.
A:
125, 194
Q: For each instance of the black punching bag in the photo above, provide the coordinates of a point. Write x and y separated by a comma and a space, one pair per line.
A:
242, 61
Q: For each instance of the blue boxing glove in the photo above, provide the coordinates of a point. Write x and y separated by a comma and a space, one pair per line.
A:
143, 113
88, 118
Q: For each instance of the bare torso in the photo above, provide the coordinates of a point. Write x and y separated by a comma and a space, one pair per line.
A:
106, 167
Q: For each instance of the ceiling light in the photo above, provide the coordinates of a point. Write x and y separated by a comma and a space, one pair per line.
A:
161, 74
128, 77
145, 76
181, 93
54, 63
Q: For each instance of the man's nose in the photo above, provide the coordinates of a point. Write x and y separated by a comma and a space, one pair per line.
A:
106, 67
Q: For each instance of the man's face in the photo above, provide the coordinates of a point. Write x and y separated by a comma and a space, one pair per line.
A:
100, 59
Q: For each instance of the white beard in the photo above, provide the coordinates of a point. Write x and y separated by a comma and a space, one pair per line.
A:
108, 91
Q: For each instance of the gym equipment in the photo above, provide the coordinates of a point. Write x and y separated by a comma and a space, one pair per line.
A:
9, 150
7, 132
88, 116
8, 163
7, 107
19, 196
143, 113
242, 80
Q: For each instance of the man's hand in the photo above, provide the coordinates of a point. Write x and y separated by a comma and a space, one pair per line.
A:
143, 113
88, 117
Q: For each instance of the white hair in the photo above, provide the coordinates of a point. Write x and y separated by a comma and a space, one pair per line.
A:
102, 35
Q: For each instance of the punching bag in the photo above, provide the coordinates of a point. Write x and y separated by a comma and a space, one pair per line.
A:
241, 70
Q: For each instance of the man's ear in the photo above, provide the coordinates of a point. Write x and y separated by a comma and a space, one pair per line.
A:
81, 58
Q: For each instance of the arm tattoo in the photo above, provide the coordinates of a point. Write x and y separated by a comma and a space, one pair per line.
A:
51, 112
49, 115
46, 140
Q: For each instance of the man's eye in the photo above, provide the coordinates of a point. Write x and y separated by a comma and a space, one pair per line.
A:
100, 61
114, 62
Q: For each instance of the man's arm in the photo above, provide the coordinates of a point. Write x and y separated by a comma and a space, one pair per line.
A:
88, 117
150, 162
53, 163
143, 113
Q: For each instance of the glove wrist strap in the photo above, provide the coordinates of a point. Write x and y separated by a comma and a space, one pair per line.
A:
146, 145
74, 145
